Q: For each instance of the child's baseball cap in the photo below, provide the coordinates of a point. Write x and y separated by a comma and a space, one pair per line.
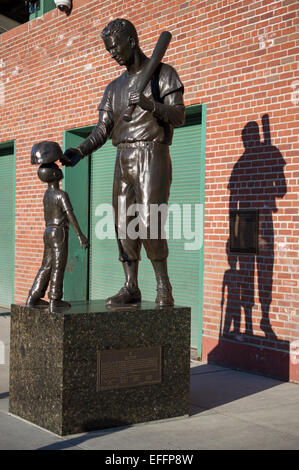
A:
45, 152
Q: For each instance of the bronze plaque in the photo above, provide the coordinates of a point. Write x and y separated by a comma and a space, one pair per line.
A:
124, 368
243, 231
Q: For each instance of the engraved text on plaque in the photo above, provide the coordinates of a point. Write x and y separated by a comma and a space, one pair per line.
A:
128, 368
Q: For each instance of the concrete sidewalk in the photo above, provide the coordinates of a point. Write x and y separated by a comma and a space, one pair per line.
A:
230, 410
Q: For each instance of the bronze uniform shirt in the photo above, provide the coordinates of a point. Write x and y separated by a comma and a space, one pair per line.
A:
56, 204
143, 126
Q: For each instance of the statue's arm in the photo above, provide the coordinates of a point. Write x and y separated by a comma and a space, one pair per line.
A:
65, 204
93, 142
75, 224
98, 135
169, 106
171, 111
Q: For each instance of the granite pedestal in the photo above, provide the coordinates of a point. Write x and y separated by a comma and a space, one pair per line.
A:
92, 368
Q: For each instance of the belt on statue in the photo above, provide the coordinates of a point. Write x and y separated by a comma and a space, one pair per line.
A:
141, 144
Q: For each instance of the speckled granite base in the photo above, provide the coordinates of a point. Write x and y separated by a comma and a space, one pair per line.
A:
53, 365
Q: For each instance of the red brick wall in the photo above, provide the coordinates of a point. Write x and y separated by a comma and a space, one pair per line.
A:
249, 54
238, 57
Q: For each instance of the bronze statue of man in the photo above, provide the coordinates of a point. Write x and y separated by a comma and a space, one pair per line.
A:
143, 166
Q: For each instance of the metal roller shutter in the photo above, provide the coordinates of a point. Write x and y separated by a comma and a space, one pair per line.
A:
6, 226
75, 284
105, 271
183, 265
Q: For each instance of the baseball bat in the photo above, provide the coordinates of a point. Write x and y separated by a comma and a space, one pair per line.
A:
150, 67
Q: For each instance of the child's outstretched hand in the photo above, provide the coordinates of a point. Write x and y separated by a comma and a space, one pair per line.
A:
83, 241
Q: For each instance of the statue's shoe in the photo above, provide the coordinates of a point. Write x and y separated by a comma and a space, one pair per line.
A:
37, 303
126, 295
164, 295
59, 305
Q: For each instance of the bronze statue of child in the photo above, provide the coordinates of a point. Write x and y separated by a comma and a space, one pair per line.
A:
58, 213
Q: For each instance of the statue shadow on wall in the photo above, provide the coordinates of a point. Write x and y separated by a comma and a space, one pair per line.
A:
257, 180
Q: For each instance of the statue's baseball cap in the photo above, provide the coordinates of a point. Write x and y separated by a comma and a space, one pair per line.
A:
45, 152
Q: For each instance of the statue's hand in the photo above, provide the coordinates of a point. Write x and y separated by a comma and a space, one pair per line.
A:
83, 241
71, 157
138, 98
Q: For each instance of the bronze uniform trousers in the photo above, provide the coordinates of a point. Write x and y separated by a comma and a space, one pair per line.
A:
142, 176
